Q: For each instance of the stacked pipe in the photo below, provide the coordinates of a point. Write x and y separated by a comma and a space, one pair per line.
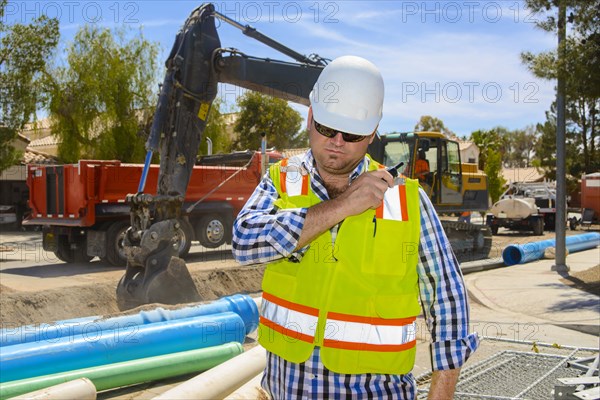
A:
239, 304
139, 348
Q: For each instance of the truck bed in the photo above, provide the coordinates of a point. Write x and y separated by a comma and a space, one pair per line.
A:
72, 195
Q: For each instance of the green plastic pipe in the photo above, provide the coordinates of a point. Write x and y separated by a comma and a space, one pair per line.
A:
131, 372
220, 381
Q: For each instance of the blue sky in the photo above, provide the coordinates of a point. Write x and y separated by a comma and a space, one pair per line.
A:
455, 60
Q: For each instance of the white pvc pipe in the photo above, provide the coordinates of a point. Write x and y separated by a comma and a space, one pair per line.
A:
218, 382
80, 389
250, 390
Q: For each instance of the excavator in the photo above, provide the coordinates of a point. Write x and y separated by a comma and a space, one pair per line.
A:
194, 67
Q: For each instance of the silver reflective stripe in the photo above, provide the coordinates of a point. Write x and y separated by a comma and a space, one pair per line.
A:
391, 204
293, 176
290, 319
357, 332
293, 184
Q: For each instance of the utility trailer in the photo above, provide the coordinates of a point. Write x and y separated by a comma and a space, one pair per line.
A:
83, 213
525, 206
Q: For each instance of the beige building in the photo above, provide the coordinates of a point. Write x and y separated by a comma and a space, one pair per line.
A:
469, 152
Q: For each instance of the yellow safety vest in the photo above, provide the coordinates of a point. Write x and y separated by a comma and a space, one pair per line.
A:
356, 298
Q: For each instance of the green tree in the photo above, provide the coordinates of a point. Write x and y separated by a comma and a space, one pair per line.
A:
102, 101
25, 50
260, 113
427, 123
489, 140
493, 170
581, 64
491, 152
215, 130
518, 146
545, 148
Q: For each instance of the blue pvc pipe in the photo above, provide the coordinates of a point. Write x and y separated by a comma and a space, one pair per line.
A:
27, 360
520, 254
242, 305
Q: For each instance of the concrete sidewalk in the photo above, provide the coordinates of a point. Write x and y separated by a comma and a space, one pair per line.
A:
530, 302
527, 303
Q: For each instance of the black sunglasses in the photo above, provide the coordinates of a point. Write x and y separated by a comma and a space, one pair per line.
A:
330, 133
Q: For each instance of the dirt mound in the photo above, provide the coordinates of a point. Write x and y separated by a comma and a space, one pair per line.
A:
588, 280
6, 289
21, 308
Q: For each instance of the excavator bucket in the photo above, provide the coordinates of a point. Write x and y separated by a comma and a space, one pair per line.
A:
171, 285
154, 273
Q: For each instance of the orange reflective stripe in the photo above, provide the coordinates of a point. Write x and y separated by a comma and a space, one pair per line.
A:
304, 185
283, 175
338, 344
286, 331
403, 205
379, 211
292, 306
370, 320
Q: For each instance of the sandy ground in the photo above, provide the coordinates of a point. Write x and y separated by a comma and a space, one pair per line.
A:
37, 287
588, 280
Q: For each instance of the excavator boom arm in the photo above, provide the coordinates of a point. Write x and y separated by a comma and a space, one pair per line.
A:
196, 65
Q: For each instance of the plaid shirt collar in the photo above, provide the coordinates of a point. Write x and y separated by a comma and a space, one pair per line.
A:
309, 163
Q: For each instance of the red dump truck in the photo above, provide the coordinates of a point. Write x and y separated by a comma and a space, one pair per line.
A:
82, 210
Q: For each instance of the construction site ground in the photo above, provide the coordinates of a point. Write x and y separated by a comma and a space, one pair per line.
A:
525, 303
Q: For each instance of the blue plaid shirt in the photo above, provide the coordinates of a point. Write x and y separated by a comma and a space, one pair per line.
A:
263, 233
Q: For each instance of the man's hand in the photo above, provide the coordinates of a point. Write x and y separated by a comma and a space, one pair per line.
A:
443, 384
366, 192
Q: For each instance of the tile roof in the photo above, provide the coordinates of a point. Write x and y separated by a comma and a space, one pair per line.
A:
530, 174
37, 157
45, 141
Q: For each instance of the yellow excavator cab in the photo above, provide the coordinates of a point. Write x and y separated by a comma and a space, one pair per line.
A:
454, 187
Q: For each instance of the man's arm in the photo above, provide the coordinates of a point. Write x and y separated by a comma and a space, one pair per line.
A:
445, 304
443, 384
365, 192
262, 232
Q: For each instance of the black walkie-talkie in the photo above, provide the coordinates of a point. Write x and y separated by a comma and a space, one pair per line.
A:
394, 170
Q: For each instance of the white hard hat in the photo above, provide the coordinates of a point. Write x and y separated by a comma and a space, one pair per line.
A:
348, 96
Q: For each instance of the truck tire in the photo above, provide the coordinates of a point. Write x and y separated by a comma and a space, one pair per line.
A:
114, 243
65, 253
185, 235
210, 231
538, 226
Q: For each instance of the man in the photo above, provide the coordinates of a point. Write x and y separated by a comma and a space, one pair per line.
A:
349, 252
421, 167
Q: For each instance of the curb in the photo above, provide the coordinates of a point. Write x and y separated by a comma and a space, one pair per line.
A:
481, 265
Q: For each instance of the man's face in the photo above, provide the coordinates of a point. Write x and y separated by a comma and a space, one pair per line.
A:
333, 155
